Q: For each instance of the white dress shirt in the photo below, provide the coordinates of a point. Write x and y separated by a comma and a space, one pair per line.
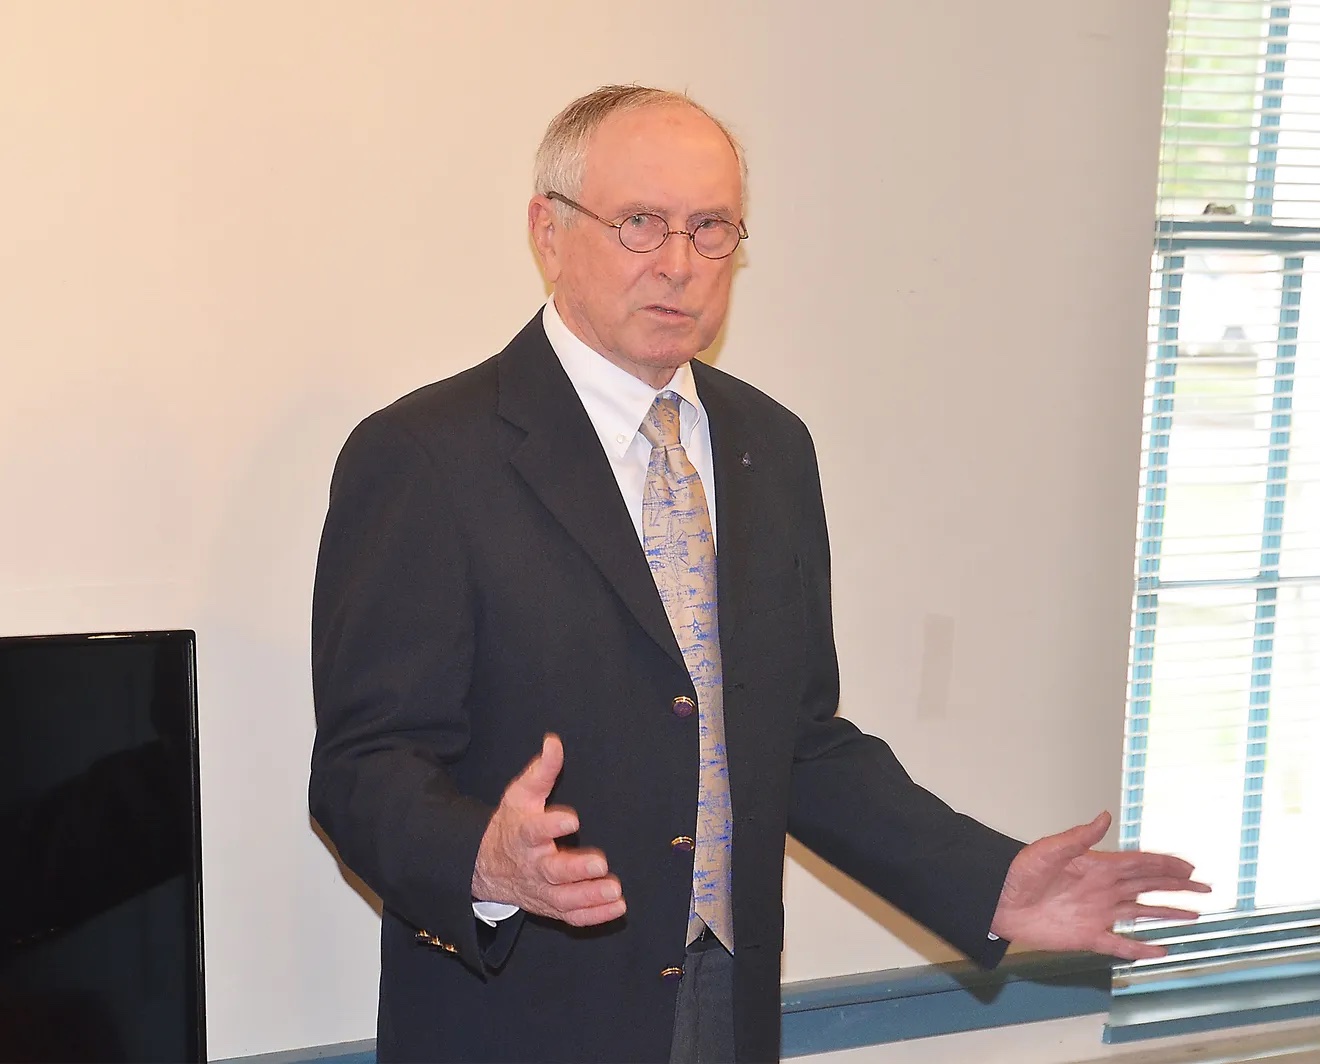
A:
616, 402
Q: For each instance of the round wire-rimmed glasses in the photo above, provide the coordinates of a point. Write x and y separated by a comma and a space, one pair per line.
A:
641, 232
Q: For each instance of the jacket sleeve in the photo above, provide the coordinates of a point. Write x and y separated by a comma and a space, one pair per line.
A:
852, 802
392, 652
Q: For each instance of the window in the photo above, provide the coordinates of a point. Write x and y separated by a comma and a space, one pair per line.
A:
1222, 758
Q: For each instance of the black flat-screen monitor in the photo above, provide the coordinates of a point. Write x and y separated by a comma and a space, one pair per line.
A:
100, 849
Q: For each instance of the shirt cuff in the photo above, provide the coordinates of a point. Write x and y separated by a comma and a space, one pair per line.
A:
491, 913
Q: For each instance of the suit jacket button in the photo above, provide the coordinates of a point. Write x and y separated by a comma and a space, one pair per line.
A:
672, 975
684, 706
682, 844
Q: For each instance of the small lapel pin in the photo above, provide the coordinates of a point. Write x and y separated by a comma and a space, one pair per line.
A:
747, 460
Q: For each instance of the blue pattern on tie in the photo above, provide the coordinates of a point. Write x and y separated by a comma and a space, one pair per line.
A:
680, 549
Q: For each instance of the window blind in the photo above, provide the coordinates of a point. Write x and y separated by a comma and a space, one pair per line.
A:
1222, 742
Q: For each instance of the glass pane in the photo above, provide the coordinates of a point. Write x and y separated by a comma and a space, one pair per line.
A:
1218, 445
1214, 74
1301, 520
1230, 502
1296, 190
1200, 684
1289, 869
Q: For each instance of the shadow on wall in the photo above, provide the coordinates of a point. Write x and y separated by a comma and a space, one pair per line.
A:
916, 938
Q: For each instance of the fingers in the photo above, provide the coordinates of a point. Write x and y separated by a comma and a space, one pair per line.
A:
596, 914
1128, 949
537, 780
1139, 863
1133, 886
579, 881
538, 829
575, 897
1137, 911
574, 866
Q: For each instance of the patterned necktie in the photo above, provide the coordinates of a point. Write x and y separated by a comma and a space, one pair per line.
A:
680, 548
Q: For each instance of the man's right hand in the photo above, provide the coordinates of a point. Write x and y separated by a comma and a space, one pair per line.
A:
519, 862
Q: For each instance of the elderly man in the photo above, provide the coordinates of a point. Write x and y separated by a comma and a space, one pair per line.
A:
520, 562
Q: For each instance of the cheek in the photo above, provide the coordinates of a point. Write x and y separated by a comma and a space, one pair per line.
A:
629, 287
717, 297
635, 272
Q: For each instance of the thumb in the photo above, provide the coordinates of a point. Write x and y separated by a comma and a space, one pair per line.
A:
538, 778
1081, 838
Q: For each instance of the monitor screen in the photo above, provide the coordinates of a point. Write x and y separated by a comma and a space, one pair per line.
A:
100, 856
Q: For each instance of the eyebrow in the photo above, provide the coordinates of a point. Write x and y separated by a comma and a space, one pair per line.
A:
649, 208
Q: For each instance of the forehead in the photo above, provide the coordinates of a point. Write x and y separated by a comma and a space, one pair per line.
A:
670, 156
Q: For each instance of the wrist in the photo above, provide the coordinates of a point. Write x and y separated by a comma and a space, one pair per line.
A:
485, 870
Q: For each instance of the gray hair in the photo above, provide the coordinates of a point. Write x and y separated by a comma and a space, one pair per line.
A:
561, 160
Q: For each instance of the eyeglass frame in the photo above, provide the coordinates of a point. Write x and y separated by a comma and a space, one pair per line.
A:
618, 227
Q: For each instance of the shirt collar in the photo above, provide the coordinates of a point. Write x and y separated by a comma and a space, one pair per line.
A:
615, 400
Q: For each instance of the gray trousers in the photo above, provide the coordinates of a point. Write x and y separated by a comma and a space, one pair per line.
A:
703, 1017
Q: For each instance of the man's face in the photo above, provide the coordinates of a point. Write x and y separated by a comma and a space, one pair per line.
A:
647, 313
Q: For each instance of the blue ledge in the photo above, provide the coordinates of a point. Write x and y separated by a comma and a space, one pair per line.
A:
823, 1015
1223, 971
1194, 1009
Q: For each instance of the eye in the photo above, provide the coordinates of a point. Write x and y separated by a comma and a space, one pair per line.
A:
639, 221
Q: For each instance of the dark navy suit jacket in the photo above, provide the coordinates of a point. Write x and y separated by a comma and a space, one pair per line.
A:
480, 583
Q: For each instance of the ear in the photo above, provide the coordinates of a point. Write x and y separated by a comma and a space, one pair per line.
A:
543, 225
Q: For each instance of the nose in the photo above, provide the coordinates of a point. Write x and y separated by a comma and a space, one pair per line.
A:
674, 258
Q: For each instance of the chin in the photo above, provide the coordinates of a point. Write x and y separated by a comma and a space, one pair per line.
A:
673, 350
669, 358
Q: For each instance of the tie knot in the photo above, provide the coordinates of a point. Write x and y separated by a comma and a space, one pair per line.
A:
660, 426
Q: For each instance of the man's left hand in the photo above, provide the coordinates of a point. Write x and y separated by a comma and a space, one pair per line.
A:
1060, 894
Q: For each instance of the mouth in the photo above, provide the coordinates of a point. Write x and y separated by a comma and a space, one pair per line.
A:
664, 310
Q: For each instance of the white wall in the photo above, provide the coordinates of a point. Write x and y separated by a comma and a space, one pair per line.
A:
230, 230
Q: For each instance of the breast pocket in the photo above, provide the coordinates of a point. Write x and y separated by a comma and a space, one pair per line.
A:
774, 586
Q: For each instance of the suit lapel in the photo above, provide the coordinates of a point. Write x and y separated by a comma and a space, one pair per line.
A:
733, 446
561, 460
736, 443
